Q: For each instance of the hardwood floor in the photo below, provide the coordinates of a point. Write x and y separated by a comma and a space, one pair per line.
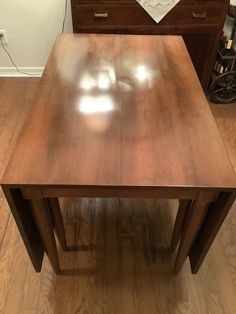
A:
15, 97
122, 264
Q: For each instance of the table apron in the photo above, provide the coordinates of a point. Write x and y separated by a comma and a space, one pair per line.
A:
129, 192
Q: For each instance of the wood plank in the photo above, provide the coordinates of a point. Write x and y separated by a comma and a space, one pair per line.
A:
43, 219
21, 211
131, 274
15, 99
184, 205
58, 221
194, 218
4, 217
136, 192
212, 223
19, 283
71, 144
225, 120
167, 126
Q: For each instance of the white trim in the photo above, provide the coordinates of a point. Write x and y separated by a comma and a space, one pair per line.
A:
11, 71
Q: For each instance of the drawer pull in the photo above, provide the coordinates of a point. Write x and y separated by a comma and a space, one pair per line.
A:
101, 15
201, 15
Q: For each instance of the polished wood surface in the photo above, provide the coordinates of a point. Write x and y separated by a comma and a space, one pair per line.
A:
194, 218
15, 100
108, 112
58, 222
184, 205
169, 110
122, 265
13, 108
21, 211
126, 281
217, 213
109, 117
212, 223
43, 218
200, 22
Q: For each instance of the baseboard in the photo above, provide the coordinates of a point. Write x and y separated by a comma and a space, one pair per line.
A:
11, 71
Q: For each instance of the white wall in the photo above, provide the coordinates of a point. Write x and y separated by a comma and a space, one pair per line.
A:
31, 27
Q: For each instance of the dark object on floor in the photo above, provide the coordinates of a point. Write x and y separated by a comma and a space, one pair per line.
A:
223, 88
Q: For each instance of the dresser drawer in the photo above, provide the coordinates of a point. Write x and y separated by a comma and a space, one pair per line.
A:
111, 15
194, 15
125, 14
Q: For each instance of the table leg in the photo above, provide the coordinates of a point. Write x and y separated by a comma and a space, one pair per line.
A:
42, 214
179, 223
194, 219
58, 222
22, 214
212, 223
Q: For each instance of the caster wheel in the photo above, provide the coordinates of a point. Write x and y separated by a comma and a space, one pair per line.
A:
223, 88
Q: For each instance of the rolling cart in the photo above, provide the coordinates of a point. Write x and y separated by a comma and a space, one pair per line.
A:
223, 87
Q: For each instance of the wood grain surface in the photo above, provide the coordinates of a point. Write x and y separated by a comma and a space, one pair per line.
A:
122, 265
201, 35
184, 205
135, 276
120, 111
15, 100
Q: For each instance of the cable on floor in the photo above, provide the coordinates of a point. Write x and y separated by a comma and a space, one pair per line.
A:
14, 64
64, 20
10, 57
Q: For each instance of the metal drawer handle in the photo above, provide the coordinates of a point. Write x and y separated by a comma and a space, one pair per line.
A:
101, 15
201, 15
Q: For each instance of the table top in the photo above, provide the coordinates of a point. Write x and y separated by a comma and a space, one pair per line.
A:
120, 110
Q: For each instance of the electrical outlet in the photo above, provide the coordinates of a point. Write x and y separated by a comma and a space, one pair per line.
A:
3, 36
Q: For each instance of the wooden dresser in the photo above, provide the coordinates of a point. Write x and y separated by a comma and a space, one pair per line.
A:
199, 22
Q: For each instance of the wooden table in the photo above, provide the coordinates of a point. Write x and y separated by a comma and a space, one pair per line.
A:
119, 116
